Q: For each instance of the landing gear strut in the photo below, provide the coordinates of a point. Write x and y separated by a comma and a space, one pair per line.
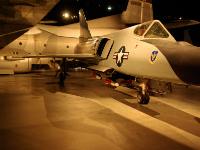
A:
143, 95
62, 74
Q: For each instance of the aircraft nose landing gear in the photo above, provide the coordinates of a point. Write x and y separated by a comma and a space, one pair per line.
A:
143, 94
143, 98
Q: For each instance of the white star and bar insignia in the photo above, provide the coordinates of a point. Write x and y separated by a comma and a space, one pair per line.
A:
120, 56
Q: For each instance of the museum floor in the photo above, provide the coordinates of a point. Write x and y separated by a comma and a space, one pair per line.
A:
38, 114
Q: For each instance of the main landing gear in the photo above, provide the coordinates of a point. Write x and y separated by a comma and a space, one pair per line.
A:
62, 74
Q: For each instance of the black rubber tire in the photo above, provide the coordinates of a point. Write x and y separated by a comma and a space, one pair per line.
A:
143, 98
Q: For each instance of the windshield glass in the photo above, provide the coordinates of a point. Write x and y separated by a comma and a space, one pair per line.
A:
156, 31
140, 30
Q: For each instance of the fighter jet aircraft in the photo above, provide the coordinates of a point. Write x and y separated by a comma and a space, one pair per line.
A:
148, 52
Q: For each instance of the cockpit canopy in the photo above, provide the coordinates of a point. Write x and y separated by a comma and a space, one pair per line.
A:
142, 28
152, 29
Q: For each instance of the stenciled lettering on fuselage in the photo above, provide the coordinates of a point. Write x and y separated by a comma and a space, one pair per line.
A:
120, 56
154, 55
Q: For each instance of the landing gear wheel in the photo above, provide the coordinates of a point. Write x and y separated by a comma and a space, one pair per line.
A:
143, 98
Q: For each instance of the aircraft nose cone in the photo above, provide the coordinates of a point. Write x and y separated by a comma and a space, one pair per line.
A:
185, 61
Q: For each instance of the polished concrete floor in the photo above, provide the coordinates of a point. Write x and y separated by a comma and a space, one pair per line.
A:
85, 114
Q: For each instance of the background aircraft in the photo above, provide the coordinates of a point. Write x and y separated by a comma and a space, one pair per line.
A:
136, 11
17, 16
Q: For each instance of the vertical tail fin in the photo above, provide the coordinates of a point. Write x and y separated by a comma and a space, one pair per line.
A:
84, 30
137, 11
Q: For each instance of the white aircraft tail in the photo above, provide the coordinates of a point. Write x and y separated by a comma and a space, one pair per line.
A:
137, 11
84, 30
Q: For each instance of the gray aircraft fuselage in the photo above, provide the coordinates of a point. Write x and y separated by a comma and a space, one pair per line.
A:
152, 54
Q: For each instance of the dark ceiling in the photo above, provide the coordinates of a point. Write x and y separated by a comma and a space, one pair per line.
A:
163, 9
